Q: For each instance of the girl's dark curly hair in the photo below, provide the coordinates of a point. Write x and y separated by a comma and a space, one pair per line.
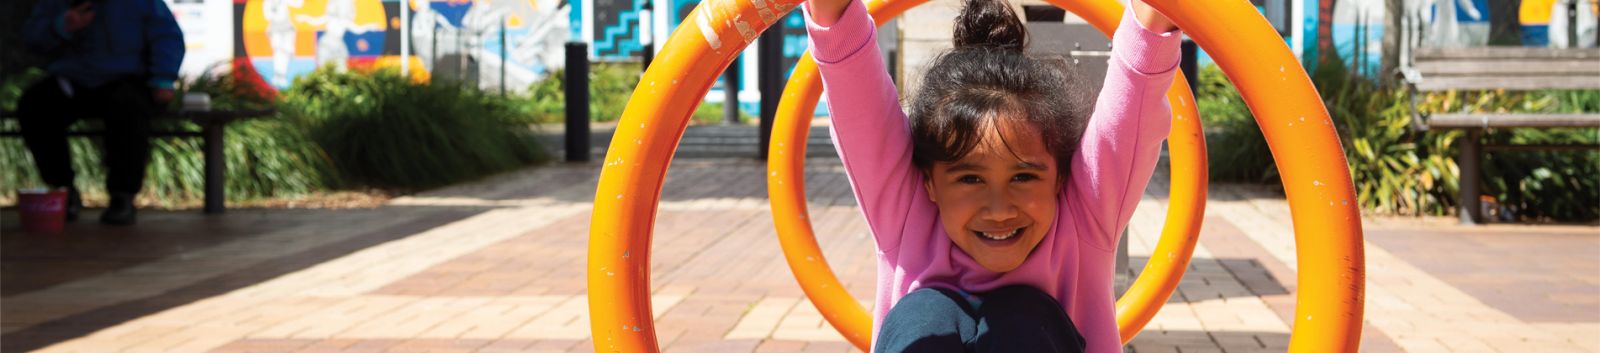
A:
987, 76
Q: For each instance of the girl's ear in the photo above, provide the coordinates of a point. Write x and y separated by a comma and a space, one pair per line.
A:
927, 183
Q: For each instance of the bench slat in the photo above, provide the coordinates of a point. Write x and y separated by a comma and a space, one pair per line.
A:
1422, 54
1514, 83
1513, 120
1516, 67
1543, 147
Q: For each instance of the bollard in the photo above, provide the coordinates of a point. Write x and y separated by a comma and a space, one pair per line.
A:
576, 84
770, 80
730, 94
646, 36
1190, 64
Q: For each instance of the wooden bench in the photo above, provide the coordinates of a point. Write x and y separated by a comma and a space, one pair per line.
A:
211, 124
1495, 68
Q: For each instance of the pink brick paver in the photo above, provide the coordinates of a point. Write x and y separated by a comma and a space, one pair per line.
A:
497, 266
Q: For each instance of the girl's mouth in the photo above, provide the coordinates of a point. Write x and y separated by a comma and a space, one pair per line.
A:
1000, 236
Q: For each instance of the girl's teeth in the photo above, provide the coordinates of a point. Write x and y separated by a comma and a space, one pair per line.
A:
1001, 236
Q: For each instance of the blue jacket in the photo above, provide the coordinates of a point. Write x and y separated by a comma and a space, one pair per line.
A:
127, 38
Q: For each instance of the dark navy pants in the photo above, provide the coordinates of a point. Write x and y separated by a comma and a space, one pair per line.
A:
126, 106
1009, 319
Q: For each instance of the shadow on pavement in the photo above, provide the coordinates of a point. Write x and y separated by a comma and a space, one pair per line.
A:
34, 262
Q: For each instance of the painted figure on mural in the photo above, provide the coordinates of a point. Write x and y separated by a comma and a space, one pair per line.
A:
281, 36
1545, 23
485, 21
1582, 24
338, 18
426, 26
539, 47
1448, 29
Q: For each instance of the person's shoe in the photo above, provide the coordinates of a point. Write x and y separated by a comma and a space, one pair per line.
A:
74, 204
120, 211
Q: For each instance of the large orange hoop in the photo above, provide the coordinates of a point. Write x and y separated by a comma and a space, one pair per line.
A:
786, 188
1297, 126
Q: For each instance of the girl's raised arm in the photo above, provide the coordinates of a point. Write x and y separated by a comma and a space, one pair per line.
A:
868, 125
1131, 117
826, 12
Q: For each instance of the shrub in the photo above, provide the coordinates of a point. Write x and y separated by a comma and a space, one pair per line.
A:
1400, 171
610, 87
1396, 170
1235, 148
383, 131
1535, 185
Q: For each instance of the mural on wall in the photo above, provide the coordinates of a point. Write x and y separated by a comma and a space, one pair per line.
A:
1546, 23
1358, 26
459, 39
616, 29
795, 43
287, 38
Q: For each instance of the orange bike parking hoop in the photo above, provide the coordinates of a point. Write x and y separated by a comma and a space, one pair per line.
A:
1298, 129
786, 187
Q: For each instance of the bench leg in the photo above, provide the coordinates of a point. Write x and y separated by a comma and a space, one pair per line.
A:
1467, 207
216, 167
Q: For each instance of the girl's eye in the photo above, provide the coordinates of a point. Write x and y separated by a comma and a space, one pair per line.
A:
1025, 177
969, 179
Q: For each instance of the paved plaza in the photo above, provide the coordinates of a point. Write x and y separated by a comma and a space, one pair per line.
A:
498, 266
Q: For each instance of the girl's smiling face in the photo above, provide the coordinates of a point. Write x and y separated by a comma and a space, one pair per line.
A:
998, 201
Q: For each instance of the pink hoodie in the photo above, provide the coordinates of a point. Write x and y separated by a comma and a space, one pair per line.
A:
1075, 261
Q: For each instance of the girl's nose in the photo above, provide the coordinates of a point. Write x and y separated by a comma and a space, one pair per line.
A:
999, 208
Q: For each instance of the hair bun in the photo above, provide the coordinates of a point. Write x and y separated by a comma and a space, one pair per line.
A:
989, 24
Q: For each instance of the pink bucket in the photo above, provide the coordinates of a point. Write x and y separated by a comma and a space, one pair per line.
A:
44, 211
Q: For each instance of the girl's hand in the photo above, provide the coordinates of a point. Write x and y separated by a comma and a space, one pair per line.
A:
826, 12
1147, 16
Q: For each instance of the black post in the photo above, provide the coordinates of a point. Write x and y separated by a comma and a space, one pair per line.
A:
646, 34
1467, 206
770, 80
504, 48
576, 84
730, 94
216, 168
1190, 64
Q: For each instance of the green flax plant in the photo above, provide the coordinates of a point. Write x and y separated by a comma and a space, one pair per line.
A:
384, 131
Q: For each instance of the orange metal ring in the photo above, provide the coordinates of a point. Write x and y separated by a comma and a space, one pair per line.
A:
1305, 145
786, 186
1330, 278
636, 163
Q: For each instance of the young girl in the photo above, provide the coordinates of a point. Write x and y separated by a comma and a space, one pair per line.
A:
996, 209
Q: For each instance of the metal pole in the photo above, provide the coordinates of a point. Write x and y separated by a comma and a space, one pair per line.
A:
1467, 206
730, 93
577, 102
433, 56
770, 81
216, 168
461, 55
646, 35
405, 40
504, 48
1190, 64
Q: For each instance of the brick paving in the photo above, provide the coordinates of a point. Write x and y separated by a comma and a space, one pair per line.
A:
496, 266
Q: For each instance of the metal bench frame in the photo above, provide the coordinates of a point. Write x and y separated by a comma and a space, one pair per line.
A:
211, 127
1498, 68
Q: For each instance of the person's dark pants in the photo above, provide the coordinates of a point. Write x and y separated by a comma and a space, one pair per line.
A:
126, 106
1009, 319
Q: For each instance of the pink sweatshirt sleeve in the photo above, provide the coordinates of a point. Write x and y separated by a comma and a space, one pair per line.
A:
869, 128
1122, 143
